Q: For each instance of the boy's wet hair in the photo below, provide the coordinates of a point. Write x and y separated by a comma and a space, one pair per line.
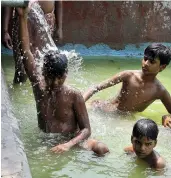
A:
55, 64
160, 51
145, 128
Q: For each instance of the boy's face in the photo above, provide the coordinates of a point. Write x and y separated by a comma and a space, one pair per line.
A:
150, 66
143, 146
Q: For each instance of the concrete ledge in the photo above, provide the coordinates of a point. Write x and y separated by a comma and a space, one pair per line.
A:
129, 50
14, 162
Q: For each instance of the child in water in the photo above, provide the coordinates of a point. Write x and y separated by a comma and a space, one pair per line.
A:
60, 108
144, 139
140, 88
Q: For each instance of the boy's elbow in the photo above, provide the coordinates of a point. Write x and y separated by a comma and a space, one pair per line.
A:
88, 132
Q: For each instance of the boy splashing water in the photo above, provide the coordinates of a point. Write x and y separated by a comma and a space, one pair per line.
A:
140, 88
144, 139
60, 108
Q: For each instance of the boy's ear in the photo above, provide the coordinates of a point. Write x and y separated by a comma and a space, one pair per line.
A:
155, 143
131, 138
162, 67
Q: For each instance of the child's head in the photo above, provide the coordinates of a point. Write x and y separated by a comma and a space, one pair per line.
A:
144, 137
55, 65
156, 58
158, 51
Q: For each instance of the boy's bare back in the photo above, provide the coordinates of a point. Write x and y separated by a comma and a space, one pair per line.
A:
60, 110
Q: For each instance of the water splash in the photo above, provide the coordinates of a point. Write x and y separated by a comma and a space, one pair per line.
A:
36, 16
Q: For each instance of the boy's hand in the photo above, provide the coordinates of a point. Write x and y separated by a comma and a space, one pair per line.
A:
166, 121
129, 149
7, 40
61, 148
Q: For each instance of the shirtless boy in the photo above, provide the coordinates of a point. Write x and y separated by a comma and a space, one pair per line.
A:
52, 14
60, 108
144, 139
140, 88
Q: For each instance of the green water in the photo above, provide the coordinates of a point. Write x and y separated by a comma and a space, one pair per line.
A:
113, 131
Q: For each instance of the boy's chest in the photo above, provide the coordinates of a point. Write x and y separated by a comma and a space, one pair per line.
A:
143, 92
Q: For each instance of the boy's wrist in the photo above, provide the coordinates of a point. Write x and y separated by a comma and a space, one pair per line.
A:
70, 144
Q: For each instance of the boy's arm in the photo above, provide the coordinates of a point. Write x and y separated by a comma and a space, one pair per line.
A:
166, 100
120, 77
6, 39
82, 120
28, 58
83, 123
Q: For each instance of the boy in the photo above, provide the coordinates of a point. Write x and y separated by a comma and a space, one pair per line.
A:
140, 88
60, 108
144, 139
51, 11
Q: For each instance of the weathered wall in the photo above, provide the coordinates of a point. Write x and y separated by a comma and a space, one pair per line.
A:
116, 23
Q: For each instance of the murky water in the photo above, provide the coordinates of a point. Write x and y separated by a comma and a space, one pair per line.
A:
114, 131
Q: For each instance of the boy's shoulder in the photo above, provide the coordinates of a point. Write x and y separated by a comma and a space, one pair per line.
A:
126, 74
160, 87
131, 72
160, 162
72, 90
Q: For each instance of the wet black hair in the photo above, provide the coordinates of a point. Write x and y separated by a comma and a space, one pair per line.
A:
145, 128
55, 65
156, 50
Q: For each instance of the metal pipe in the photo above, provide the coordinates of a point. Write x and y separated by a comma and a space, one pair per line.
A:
15, 3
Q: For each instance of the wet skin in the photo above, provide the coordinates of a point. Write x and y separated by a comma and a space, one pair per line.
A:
143, 148
47, 6
60, 108
139, 89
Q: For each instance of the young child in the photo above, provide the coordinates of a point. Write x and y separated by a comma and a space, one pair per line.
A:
144, 139
140, 88
60, 108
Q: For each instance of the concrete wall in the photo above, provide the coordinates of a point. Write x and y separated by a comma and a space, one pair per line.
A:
116, 23
13, 158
